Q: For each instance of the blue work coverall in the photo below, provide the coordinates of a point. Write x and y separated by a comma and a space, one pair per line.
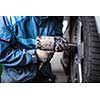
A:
17, 40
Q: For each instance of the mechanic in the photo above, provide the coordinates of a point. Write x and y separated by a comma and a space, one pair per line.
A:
20, 37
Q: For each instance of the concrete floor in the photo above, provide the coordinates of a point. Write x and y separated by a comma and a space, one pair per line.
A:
58, 69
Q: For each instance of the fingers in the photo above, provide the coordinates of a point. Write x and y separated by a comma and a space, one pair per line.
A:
63, 39
59, 47
44, 55
38, 39
60, 44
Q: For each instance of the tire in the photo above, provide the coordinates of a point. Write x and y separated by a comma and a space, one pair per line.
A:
90, 64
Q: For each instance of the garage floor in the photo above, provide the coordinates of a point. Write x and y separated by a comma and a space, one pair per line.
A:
58, 69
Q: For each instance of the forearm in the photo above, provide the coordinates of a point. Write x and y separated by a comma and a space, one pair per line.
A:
17, 58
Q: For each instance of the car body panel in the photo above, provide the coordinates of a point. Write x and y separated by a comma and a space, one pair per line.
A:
97, 19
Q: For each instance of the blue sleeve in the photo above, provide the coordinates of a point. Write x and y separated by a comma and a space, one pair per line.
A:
51, 25
8, 55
